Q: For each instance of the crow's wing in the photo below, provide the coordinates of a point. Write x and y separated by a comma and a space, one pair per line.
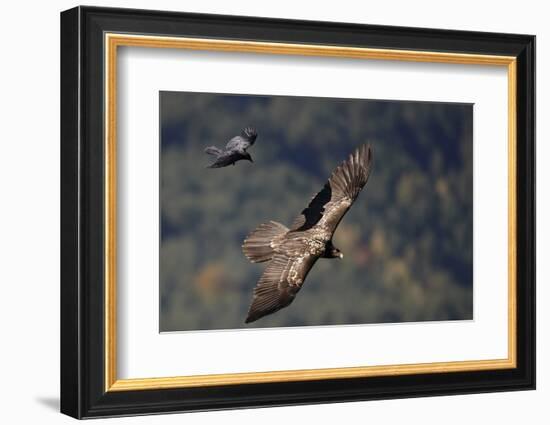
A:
327, 208
279, 284
225, 159
237, 143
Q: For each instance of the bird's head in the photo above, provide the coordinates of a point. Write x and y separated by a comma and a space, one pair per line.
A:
247, 157
333, 252
249, 133
336, 253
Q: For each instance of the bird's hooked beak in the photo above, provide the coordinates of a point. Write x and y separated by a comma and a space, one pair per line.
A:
340, 255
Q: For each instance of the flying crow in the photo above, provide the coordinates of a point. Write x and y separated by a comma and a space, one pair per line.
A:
293, 252
235, 150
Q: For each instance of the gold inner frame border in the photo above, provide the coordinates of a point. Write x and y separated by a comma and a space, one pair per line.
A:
111, 43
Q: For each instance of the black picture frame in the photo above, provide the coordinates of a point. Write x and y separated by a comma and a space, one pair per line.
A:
83, 392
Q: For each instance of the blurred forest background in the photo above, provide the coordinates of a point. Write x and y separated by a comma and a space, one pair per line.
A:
407, 240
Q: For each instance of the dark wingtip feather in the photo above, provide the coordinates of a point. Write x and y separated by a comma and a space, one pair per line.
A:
351, 175
252, 317
254, 314
267, 307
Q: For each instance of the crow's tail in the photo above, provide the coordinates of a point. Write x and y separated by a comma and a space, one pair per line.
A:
213, 150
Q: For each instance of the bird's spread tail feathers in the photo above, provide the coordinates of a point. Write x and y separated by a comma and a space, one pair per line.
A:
213, 150
257, 246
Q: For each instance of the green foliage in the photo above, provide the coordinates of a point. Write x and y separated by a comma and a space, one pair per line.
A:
407, 241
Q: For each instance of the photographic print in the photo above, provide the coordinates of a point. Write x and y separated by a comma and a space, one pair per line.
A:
282, 211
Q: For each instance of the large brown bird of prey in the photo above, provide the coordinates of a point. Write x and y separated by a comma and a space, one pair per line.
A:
293, 252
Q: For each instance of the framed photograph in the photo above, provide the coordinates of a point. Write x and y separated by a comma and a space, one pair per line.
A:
261, 212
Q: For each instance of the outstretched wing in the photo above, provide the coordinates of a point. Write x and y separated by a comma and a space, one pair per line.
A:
279, 284
344, 185
237, 143
225, 159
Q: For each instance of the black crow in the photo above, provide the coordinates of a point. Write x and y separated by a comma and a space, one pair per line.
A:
293, 252
235, 150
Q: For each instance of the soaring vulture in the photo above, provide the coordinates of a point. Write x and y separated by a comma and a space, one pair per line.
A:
291, 253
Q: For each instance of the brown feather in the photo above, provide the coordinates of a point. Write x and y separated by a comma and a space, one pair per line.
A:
258, 245
345, 183
294, 252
